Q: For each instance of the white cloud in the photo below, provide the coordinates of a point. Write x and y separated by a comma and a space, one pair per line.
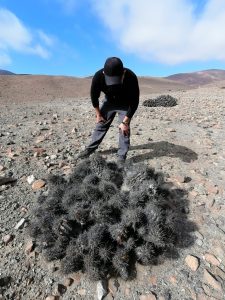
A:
13, 33
15, 36
40, 51
49, 41
168, 31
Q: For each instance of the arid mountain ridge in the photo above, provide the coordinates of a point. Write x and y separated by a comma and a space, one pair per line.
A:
189, 78
199, 78
23, 88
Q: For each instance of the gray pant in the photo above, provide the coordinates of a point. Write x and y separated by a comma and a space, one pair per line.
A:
108, 111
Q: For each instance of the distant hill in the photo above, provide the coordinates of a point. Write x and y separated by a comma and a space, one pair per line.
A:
5, 72
198, 78
27, 88
42, 87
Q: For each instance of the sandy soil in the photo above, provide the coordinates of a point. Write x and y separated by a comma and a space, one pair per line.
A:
45, 122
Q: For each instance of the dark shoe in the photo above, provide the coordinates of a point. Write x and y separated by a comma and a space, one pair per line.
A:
86, 153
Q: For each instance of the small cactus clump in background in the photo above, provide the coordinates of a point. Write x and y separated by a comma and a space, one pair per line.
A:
104, 218
163, 100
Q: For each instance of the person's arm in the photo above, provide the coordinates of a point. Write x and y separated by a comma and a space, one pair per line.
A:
95, 89
95, 94
99, 117
134, 94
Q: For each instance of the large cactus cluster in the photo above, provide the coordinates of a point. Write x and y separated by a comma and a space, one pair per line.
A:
104, 218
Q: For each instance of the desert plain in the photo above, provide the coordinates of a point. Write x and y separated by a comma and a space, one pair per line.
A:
45, 121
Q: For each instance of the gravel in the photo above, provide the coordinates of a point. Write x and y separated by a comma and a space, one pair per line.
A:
194, 149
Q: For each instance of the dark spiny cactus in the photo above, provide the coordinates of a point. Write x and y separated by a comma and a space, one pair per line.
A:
97, 164
155, 235
91, 192
108, 189
145, 253
92, 179
121, 261
58, 250
71, 264
119, 233
34, 229
103, 218
41, 199
56, 180
82, 170
72, 195
163, 100
133, 218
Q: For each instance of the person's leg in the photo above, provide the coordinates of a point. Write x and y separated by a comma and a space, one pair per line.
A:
101, 128
124, 141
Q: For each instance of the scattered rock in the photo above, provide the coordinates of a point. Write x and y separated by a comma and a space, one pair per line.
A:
212, 293
219, 272
202, 296
11, 153
7, 238
109, 297
187, 179
24, 209
148, 297
212, 189
68, 282
178, 179
30, 179
38, 184
62, 164
20, 224
113, 286
153, 280
211, 280
52, 298
74, 130
76, 278
173, 280
6, 180
4, 281
40, 139
29, 247
38, 152
2, 168
60, 289
210, 258
101, 289
53, 156
192, 262
55, 116
171, 129
219, 252
81, 292
127, 292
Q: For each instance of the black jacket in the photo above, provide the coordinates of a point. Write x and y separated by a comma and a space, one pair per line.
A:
126, 95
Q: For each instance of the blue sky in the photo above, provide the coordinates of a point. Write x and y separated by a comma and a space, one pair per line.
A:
74, 37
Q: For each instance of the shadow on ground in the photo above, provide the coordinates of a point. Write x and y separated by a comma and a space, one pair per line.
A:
159, 149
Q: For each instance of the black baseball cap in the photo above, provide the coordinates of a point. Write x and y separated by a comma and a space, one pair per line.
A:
113, 71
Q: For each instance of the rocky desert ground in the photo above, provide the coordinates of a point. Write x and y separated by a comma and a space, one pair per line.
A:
45, 121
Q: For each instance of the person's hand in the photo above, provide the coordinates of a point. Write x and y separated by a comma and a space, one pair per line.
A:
100, 119
125, 128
